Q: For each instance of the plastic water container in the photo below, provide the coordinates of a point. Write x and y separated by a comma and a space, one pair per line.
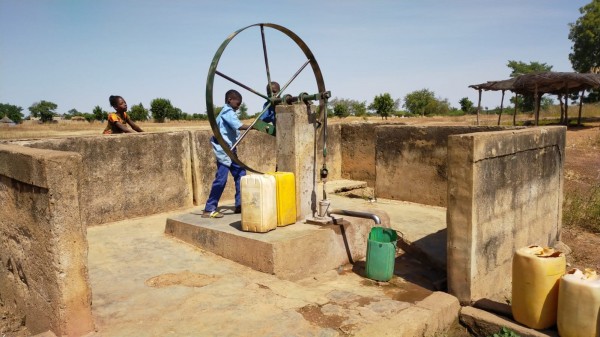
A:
536, 272
259, 213
286, 197
381, 253
579, 304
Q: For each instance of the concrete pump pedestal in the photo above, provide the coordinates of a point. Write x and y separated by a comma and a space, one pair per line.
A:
291, 253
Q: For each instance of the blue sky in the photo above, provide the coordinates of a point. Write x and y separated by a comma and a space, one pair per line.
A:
77, 53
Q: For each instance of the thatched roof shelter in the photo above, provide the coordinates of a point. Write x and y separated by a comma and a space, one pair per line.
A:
6, 120
555, 83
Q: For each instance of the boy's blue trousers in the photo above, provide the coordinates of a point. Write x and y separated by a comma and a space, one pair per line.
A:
218, 185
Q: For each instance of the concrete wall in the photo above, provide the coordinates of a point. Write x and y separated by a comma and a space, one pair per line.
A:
43, 245
358, 152
125, 176
504, 192
410, 161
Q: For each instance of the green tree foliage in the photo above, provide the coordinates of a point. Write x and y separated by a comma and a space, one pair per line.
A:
138, 113
341, 110
161, 109
44, 110
466, 105
243, 111
99, 114
359, 109
11, 111
417, 102
383, 105
585, 35
346, 107
521, 68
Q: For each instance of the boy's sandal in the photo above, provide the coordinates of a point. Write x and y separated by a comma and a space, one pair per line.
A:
213, 214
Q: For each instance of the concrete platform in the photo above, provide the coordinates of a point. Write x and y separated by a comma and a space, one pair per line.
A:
301, 250
292, 252
146, 283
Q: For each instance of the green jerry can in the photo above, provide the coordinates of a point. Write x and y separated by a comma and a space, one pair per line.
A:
381, 253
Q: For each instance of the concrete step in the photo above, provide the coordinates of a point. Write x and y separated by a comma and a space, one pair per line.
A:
483, 323
291, 252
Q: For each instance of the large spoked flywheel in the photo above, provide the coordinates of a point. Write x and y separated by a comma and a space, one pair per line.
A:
271, 99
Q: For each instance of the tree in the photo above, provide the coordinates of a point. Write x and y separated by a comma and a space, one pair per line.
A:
138, 113
383, 105
99, 114
341, 110
585, 35
359, 109
417, 101
44, 110
520, 68
243, 111
11, 111
161, 109
466, 105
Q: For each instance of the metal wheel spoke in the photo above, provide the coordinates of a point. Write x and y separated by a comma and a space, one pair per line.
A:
293, 77
243, 134
264, 45
240, 84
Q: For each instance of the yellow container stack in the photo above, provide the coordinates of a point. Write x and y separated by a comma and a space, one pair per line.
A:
536, 272
286, 197
579, 304
259, 213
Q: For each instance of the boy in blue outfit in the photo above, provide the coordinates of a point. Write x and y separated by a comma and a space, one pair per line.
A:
269, 115
229, 126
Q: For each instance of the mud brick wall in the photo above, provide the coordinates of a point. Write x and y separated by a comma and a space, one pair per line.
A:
129, 175
411, 161
505, 191
43, 245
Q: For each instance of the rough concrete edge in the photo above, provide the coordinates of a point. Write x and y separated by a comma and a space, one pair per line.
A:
429, 317
75, 314
483, 323
459, 217
487, 142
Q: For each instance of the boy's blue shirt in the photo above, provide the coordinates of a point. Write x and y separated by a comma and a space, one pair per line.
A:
269, 115
229, 124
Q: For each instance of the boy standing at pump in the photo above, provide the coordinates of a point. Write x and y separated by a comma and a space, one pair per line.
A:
229, 126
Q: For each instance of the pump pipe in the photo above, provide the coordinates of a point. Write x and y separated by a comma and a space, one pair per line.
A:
364, 215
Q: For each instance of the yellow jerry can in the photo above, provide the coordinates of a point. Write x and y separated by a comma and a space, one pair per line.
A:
286, 197
579, 304
536, 272
258, 203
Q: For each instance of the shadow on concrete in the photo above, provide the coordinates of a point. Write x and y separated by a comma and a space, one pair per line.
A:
430, 250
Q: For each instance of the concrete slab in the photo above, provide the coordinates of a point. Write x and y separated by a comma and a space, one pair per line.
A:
145, 283
300, 250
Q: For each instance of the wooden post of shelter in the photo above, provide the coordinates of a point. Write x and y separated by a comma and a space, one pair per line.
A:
567, 109
562, 111
478, 106
501, 108
516, 106
580, 107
